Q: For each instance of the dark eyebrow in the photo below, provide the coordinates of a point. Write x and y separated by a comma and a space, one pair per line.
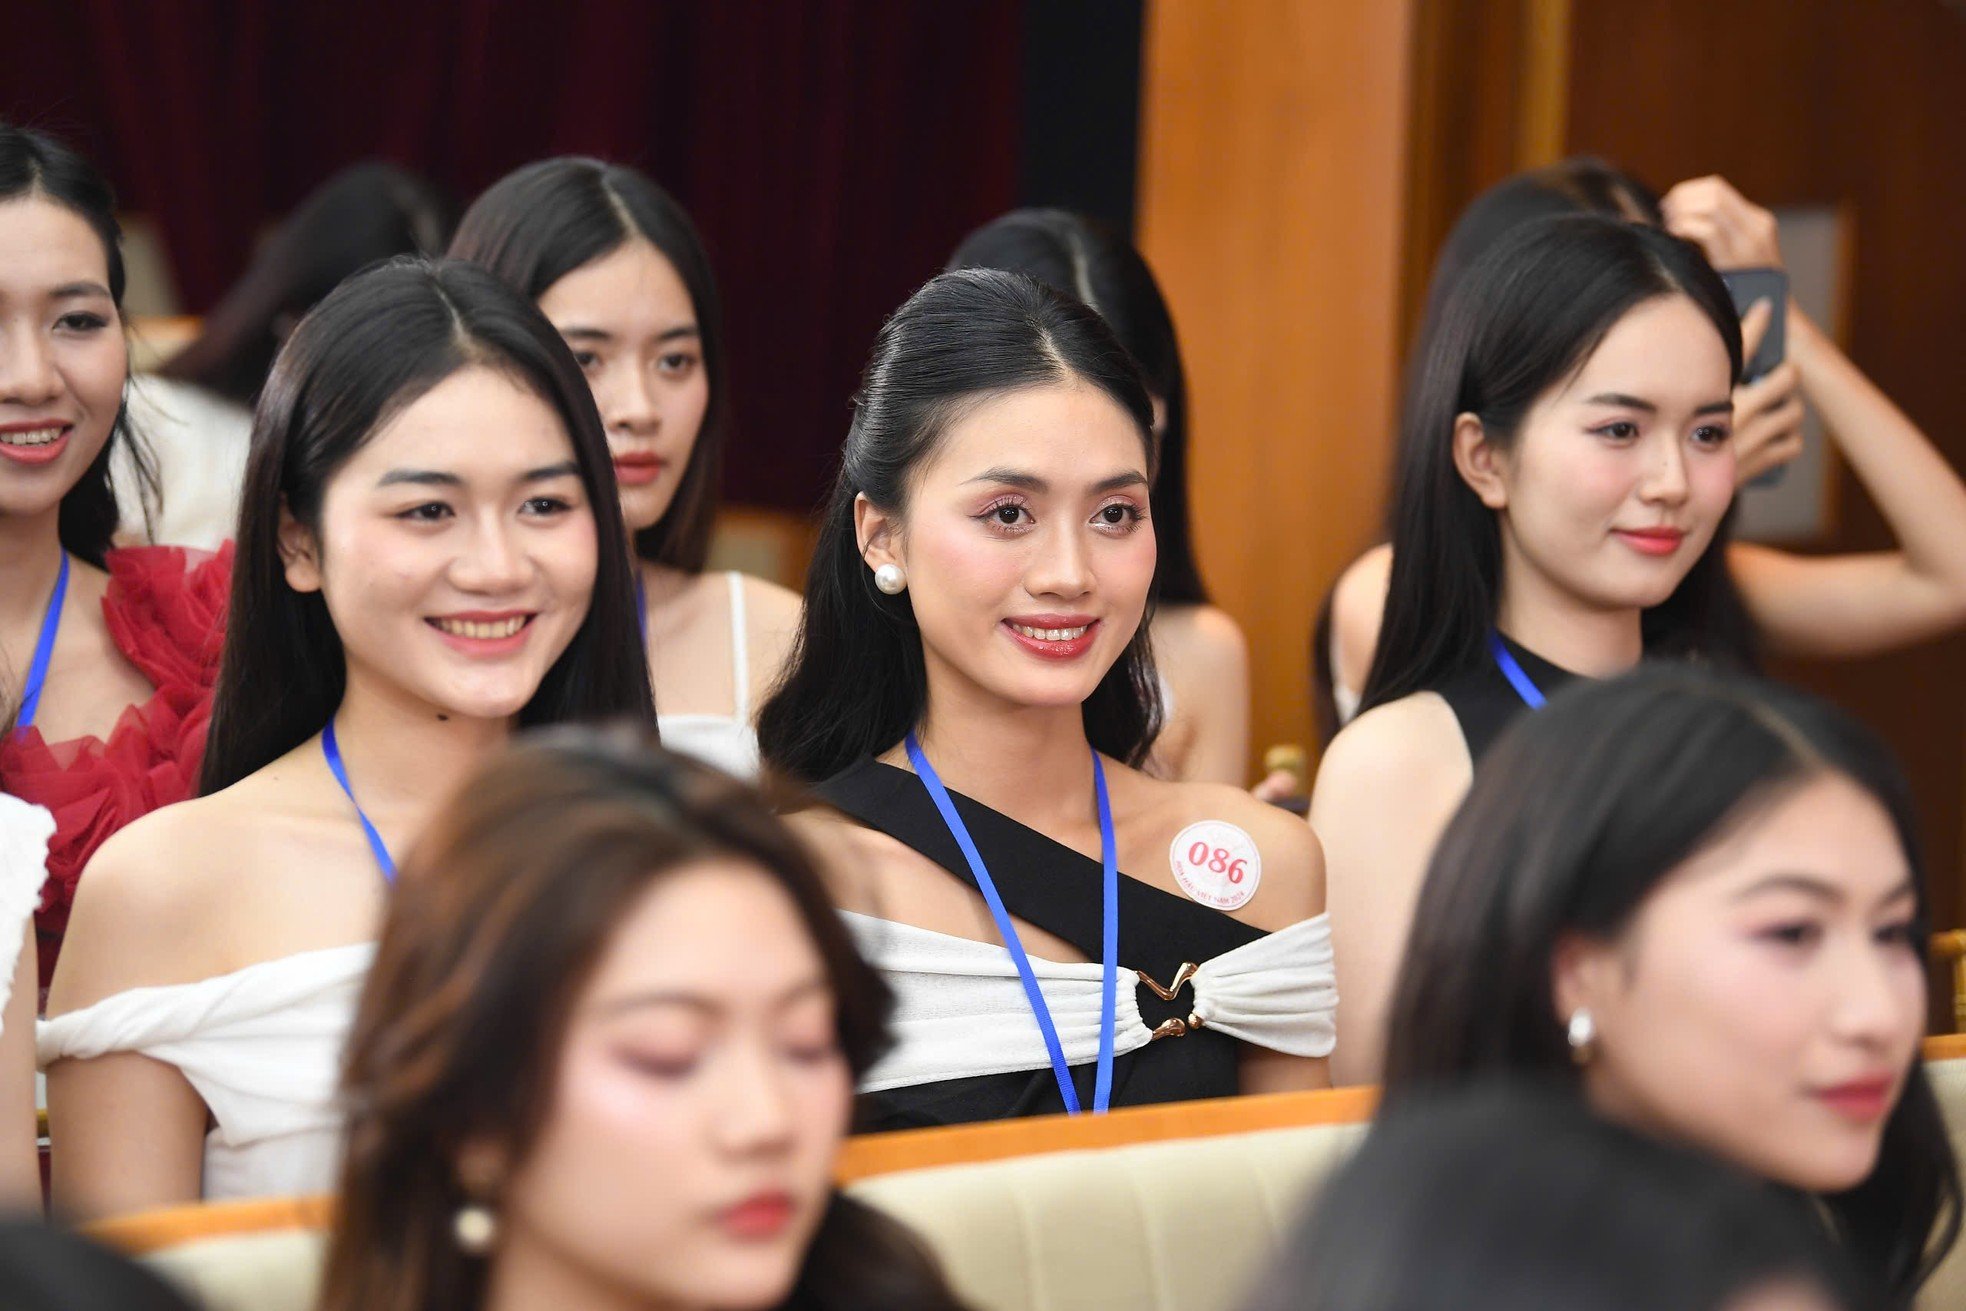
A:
1032, 483
70, 290
1623, 402
420, 478
564, 469
1647, 407
577, 332
1811, 886
437, 478
697, 1001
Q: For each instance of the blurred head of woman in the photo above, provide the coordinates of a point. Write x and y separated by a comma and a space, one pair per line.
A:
1509, 1196
1697, 901
607, 1054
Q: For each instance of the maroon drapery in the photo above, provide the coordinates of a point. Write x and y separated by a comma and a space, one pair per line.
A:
832, 151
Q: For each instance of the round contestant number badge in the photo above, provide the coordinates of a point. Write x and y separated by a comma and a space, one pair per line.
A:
1216, 864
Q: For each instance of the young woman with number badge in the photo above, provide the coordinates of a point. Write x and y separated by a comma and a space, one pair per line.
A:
984, 570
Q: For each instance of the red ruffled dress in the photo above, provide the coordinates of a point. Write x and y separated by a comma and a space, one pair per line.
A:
165, 609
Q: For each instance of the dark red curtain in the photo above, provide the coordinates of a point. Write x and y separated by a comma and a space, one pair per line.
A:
832, 151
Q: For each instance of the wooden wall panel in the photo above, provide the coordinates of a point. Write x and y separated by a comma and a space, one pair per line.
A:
1862, 105
1273, 148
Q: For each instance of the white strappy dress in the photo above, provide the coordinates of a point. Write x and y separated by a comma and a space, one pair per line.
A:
727, 741
262, 1046
953, 995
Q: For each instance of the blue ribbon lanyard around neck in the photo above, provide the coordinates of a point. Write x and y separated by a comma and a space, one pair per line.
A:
44, 649
1525, 686
1110, 936
642, 605
332, 750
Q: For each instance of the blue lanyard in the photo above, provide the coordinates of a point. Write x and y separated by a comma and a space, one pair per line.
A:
1525, 687
641, 605
332, 750
44, 649
1109, 857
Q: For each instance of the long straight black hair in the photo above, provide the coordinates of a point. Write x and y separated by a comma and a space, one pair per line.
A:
1573, 820
1528, 312
33, 165
1510, 1196
856, 682
1581, 184
366, 213
1083, 258
541, 222
377, 343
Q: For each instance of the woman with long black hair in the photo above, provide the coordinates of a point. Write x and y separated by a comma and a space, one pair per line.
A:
1696, 902
1824, 607
107, 657
1560, 513
1509, 1196
430, 556
1199, 650
973, 697
618, 267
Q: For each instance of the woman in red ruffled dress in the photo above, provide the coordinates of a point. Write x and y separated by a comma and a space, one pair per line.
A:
107, 657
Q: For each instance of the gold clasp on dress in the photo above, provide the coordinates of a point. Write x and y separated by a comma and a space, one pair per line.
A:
1177, 1028
1182, 978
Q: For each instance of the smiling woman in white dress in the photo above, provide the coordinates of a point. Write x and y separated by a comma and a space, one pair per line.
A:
407, 592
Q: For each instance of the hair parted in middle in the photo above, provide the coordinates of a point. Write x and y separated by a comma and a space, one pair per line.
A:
856, 681
539, 223
380, 341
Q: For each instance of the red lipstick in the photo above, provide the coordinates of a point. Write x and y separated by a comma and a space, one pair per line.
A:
758, 1217
1652, 541
638, 468
1865, 1101
1053, 636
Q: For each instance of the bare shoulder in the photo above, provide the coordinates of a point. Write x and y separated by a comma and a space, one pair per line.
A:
850, 856
150, 902
1358, 609
1201, 635
769, 607
1403, 744
1291, 884
771, 623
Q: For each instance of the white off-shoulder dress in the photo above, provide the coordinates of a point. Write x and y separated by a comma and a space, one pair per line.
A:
960, 1011
262, 1046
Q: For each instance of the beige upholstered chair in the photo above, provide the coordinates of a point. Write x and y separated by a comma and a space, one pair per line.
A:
1174, 1208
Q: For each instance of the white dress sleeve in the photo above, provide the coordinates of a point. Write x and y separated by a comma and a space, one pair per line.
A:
262, 1046
960, 1009
24, 834
1280, 991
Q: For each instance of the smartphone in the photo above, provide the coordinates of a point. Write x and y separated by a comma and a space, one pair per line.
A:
1747, 286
